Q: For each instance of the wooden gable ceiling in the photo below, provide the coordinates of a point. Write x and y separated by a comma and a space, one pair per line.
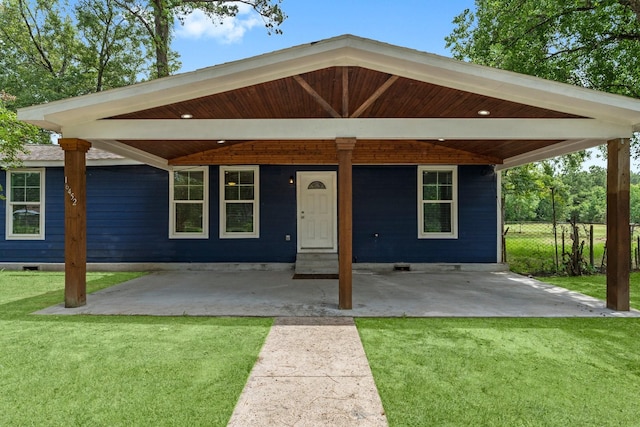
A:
341, 92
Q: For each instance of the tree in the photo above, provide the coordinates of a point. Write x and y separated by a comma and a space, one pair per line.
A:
50, 52
14, 134
590, 43
112, 48
157, 18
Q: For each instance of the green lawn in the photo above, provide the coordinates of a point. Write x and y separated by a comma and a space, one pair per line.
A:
166, 371
116, 370
596, 286
506, 372
531, 250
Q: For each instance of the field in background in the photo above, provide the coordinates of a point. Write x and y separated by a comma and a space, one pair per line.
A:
531, 247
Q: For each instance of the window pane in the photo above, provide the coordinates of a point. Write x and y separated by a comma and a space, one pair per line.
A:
437, 218
32, 195
429, 177
181, 178
231, 178
26, 219
18, 179
181, 192
317, 185
239, 218
445, 178
196, 178
196, 193
446, 192
246, 177
246, 193
18, 195
429, 192
232, 193
32, 179
188, 217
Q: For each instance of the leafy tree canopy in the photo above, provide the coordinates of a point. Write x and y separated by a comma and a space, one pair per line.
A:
14, 134
51, 51
590, 43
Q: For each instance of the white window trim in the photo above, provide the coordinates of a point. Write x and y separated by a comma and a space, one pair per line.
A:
9, 204
256, 203
454, 204
205, 206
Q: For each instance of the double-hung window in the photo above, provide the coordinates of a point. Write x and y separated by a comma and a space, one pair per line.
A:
25, 204
437, 202
239, 202
189, 205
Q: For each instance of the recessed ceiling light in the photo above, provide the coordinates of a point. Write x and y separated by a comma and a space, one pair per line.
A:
484, 112
441, 139
186, 116
222, 141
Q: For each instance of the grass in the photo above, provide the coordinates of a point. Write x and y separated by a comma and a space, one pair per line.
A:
166, 371
116, 370
505, 372
531, 250
596, 286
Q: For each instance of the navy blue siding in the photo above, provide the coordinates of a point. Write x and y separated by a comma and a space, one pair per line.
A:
128, 214
385, 203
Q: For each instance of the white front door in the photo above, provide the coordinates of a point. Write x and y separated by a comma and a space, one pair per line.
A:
317, 215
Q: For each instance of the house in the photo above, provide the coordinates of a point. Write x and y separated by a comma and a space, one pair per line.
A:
364, 151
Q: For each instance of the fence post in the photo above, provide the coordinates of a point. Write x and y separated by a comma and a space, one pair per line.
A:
591, 246
638, 254
555, 225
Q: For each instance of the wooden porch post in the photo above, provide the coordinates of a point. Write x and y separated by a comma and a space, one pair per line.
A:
75, 221
345, 221
618, 216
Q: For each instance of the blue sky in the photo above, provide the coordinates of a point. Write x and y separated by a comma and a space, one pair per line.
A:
416, 24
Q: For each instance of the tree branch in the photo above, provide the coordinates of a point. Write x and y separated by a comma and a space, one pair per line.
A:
511, 41
43, 55
634, 5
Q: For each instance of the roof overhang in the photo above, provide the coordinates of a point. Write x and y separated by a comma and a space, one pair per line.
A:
590, 117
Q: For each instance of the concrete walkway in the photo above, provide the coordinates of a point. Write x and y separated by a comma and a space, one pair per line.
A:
311, 372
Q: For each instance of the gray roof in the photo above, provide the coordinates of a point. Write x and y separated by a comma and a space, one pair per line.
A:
49, 153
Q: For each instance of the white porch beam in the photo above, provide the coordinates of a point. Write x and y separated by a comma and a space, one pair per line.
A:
131, 153
296, 129
555, 150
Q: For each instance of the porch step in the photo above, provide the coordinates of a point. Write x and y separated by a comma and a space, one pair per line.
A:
316, 263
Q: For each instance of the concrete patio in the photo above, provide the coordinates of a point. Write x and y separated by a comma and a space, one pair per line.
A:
391, 294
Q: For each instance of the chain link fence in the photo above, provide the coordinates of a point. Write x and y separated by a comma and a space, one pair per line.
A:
539, 248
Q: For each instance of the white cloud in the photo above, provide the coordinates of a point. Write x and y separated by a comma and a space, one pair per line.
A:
228, 30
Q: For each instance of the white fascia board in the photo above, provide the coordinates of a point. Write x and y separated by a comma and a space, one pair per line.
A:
130, 153
296, 129
560, 149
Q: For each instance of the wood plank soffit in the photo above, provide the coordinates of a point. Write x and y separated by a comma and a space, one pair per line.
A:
345, 95
316, 96
374, 97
